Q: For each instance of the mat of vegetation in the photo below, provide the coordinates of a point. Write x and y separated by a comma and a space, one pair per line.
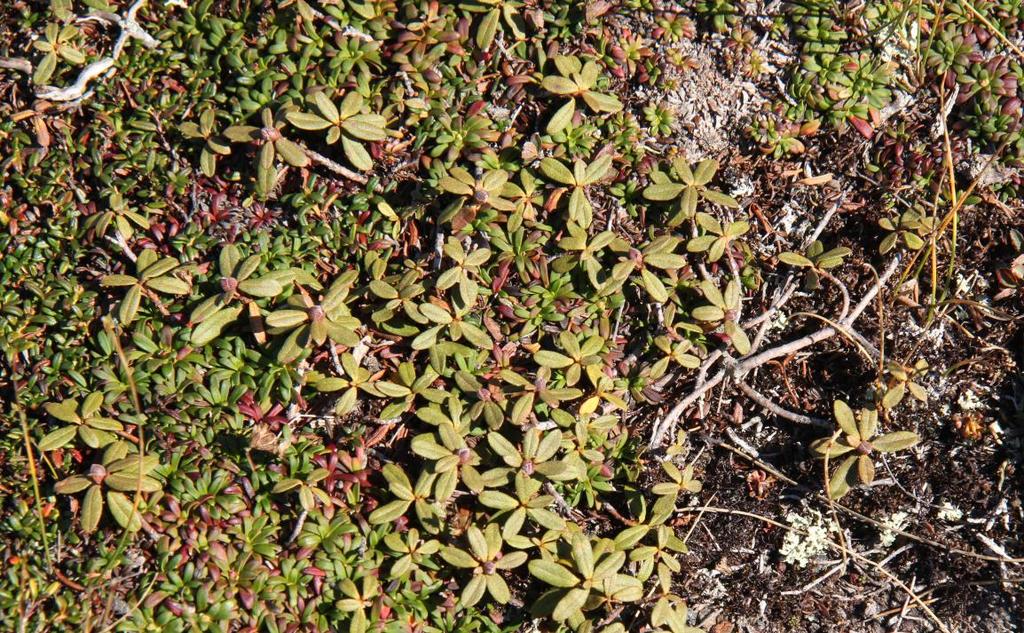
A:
511, 315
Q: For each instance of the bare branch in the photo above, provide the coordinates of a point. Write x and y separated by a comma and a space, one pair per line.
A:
749, 363
16, 63
779, 411
130, 29
334, 166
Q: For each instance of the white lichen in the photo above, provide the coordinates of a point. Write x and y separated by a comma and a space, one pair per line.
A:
949, 512
807, 539
896, 522
969, 401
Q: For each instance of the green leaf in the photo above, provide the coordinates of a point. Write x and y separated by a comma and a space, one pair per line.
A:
562, 117
559, 85
554, 360
654, 287
389, 512
569, 605
65, 411
473, 591
118, 280
498, 589
705, 171
425, 446
71, 485
263, 287
432, 415
383, 289
212, 326
327, 109
457, 557
351, 104
628, 538
720, 199
845, 418
57, 439
583, 554
498, 500
488, 29
708, 314
580, 210
356, 154
894, 396
600, 102
597, 170
307, 121
130, 305
665, 261
738, 337
129, 482
795, 259
208, 163
285, 485
511, 560
45, 69
426, 339
897, 441
552, 573
286, 318
168, 285
557, 171
435, 313
663, 192
366, 127
92, 508
291, 153
841, 480
121, 509
865, 469
242, 133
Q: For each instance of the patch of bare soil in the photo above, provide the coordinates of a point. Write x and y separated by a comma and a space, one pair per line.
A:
713, 103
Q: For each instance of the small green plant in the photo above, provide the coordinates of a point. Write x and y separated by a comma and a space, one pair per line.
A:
687, 185
238, 286
84, 420
116, 474
910, 228
578, 179
716, 238
858, 434
58, 43
273, 146
346, 121
903, 379
817, 262
484, 559
124, 220
475, 195
153, 276
576, 79
780, 138
215, 142
724, 309
585, 578
308, 323
659, 119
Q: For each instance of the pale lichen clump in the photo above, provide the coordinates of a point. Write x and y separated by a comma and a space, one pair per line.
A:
891, 527
807, 539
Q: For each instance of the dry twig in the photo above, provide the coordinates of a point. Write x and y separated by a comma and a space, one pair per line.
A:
751, 362
130, 29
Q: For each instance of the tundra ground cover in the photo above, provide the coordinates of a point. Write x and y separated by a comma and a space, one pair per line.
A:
403, 315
